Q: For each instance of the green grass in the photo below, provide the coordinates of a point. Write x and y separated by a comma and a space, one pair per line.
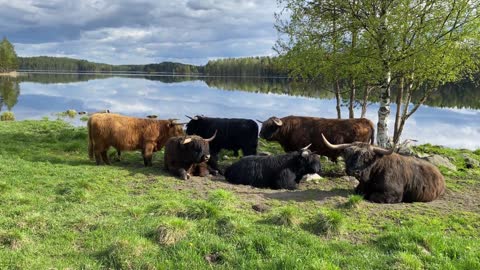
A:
58, 210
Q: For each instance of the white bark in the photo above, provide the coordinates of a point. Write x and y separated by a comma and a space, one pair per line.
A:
384, 113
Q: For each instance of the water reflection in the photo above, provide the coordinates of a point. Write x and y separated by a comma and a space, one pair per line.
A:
9, 92
173, 97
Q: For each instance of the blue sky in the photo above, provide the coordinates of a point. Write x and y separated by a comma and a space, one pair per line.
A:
139, 32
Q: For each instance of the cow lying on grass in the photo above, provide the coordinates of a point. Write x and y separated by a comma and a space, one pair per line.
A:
188, 155
233, 134
387, 177
294, 132
276, 172
127, 134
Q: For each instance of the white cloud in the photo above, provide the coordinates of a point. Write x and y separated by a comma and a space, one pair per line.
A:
127, 31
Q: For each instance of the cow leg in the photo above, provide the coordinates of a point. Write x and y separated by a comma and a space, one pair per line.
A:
249, 151
286, 180
147, 154
105, 157
385, 197
213, 162
183, 174
98, 158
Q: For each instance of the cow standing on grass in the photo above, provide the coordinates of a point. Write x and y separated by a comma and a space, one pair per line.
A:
127, 134
233, 134
387, 177
276, 172
188, 155
294, 132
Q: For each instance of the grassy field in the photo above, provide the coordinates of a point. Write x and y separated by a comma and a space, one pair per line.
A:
58, 210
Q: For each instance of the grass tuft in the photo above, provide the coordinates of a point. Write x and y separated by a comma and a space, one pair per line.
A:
327, 223
285, 216
11, 240
353, 201
171, 231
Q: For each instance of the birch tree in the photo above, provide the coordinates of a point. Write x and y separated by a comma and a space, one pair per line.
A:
418, 45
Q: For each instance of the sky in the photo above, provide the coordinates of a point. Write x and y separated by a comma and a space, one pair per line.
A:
140, 32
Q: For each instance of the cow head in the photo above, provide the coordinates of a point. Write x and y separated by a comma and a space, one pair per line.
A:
196, 124
174, 128
307, 162
358, 155
196, 148
270, 128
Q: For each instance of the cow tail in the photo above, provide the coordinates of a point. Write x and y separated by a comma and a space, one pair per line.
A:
90, 140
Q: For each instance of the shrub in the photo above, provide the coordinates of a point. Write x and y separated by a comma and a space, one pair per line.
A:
7, 116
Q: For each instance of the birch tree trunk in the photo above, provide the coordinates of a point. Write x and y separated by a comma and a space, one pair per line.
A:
384, 112
338, 98
396, 132
351, 113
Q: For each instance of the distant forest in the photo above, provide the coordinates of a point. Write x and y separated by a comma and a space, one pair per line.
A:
249, 66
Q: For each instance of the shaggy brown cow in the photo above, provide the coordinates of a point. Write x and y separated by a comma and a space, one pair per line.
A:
188, 155
127, 134
294, 132
387, 177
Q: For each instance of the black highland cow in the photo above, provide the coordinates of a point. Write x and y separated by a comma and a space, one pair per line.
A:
233, 134
276, 172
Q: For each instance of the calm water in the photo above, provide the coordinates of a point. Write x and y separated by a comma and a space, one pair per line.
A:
35, 96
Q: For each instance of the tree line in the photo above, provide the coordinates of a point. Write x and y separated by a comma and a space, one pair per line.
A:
247, 66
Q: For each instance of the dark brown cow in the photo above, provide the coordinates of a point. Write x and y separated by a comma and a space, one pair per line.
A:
188, 155
127, 134
387, 177
294, 132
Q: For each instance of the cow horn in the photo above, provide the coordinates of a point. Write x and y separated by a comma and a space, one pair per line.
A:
335, 146
178, 124
304, 153
191, 118
186, 140
261, 122
278, 122
306, 147
213, 137
383, 151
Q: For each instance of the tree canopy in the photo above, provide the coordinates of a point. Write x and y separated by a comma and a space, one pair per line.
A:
417, 45
8, 57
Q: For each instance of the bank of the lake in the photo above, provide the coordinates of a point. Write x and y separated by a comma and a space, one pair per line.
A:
59, 210
13, 74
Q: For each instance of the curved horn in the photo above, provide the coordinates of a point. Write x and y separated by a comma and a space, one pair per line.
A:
186, 140
382, 151
278, 122
335, 146
306, 147
188, 117
261, 122
174, 123
213, 137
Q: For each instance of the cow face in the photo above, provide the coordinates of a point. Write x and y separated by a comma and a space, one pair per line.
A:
196, 148
270, 128
358, 157
308, 162
174, 129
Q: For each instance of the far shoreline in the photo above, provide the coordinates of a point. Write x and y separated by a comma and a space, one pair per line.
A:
13, 74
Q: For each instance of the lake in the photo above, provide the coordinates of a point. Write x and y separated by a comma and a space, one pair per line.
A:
452, 119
